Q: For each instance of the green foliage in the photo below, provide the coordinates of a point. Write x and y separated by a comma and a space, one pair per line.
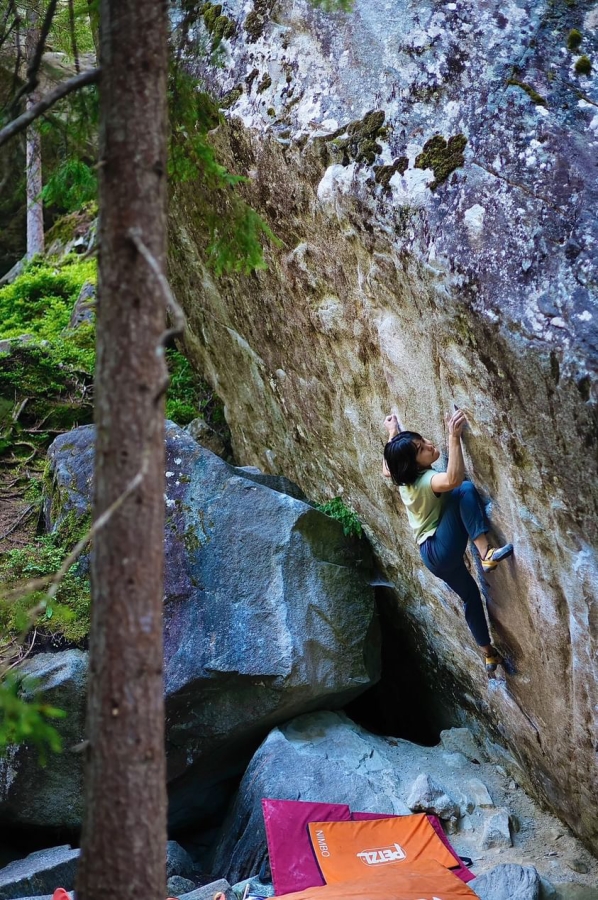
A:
69, 612
25, 720
71, 185
53, 369
189, 396
236, 244
60, 37
186, 391
336, 509
69, 151
44, 389
40, 301
235, 230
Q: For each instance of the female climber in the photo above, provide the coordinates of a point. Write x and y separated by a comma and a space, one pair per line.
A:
444, 511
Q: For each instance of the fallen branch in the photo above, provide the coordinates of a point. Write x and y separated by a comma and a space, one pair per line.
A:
35, 111
22, 656
22, 517
46, 430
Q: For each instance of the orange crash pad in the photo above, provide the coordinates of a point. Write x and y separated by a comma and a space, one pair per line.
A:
423, 880
347, 851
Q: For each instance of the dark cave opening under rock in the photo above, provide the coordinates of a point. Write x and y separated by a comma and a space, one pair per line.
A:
404, 703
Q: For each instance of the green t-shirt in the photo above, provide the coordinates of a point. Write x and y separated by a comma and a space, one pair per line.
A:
424, 508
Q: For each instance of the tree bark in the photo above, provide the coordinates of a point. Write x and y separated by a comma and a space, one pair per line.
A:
94, 21
124, 830
35, 206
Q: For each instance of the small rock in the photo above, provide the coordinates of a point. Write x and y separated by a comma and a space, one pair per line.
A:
478, 792
178, 862
84, 308
501, 771
177, 886
465, 824
201, 432
455, 760
496, 832
39, 873
508, 882
461, 740
578, 865
430, 797
208, 891
256, 887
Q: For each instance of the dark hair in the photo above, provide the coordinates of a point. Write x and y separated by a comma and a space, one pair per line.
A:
400, 454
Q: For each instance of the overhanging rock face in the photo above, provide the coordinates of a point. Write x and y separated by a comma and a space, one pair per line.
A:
430, 171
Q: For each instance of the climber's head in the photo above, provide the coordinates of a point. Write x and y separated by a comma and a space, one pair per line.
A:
407, 455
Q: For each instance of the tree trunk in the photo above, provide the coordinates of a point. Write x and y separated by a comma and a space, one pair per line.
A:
124, 831
35, 206
94, 21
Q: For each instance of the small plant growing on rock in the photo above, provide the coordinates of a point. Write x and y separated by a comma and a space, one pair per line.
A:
336, 509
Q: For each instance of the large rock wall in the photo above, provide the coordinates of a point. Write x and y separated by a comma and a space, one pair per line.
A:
412, 275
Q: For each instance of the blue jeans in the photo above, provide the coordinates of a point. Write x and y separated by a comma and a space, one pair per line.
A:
462, 518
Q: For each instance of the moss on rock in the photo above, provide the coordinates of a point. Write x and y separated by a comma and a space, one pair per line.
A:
574, 39
583, 66
231, 97
531, 92
371, 123
442, 156
384, 173
217, 24
265, 82
254, 25
355, 142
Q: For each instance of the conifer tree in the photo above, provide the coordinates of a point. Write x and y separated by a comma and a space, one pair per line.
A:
124, 830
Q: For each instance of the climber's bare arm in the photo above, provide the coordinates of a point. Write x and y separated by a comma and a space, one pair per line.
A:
393, 427
455, 470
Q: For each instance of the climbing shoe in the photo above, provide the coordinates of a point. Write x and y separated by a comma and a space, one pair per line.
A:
494, 555
493, 660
